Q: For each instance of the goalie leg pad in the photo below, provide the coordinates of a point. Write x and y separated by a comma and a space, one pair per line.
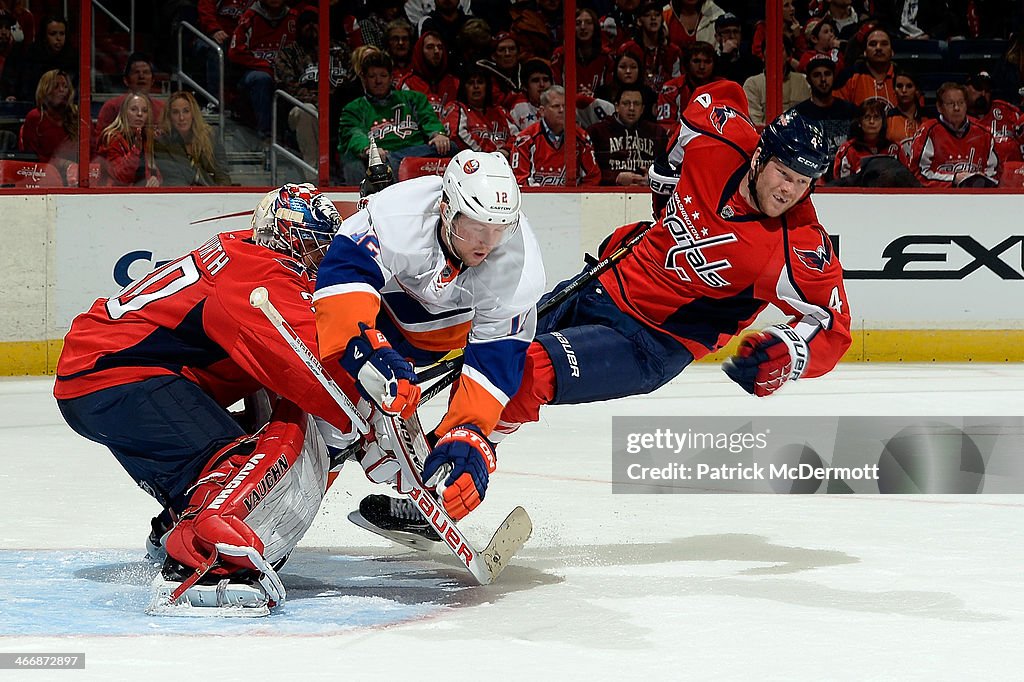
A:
254, 501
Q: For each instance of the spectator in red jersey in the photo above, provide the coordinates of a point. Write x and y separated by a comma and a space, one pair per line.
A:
127, 145
735, 62
217, 19
592, 60
872, 77
698, 69
537, 157
506, 70
691, 20
624, 145
430, 73
138, 78
51, 129
399, 39
867, 138
661, 59
791, 30
906, 117
1002, 119
536, 74
474, 121
627, 73
953, 149
265, 28
822, 41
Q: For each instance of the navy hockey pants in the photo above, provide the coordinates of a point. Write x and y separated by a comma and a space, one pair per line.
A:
162, 431
599, 352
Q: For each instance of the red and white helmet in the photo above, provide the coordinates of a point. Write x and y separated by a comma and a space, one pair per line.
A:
482, 187
297, 220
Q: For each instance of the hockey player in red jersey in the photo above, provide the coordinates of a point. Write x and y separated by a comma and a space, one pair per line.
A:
739, 232
150, 372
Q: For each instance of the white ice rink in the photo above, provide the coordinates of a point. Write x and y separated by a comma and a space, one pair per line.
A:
610, 587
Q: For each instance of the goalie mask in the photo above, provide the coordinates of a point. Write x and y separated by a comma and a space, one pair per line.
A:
482, 188
296, 220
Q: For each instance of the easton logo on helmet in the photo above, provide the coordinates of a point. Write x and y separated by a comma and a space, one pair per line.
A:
471, 166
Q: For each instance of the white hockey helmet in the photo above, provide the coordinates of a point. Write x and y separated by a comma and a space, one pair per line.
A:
482, 187
296, 219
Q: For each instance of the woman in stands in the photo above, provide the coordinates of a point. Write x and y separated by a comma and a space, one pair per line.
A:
626, 71
474, 121
127, 145
907, 116
51, 129
187, 151
867, 138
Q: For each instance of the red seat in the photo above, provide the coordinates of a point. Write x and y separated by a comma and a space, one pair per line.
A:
29, 174
417, 166
1013, 175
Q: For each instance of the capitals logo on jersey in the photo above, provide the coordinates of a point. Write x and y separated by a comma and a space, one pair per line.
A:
719, 116
817, 259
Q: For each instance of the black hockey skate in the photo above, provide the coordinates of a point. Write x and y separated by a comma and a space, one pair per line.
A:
397, 519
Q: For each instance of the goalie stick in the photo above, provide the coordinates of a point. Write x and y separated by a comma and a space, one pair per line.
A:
405, 441
449, 368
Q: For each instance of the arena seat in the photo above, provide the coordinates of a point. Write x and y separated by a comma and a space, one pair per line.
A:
29, 174
1012, 175
417, 166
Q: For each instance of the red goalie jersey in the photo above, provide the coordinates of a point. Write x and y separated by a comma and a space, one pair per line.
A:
192, 318
713, 262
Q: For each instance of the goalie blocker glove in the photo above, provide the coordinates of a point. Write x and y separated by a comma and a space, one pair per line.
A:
382, 376
472, 461
767, 360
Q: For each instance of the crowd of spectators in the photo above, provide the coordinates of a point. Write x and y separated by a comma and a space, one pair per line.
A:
432, 77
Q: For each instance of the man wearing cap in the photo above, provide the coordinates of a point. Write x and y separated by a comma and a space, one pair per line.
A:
832, 113
735, 62
1000, 118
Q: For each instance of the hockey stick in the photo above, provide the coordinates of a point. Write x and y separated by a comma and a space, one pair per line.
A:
406, 442
449, 369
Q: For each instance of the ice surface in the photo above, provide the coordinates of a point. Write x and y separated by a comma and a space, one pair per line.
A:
610, 586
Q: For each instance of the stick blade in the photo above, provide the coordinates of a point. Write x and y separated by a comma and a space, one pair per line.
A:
511, 535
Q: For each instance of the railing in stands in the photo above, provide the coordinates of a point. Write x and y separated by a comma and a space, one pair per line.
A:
130, 28
276, 148
183, 78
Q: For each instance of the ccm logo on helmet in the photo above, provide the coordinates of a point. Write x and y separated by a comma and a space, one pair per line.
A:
471, 166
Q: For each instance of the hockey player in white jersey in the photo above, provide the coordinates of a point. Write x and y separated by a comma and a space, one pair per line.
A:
432, 265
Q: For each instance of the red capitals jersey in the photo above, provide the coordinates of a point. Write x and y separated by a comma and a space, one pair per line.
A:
1004, 121
192, 318
673, 97
538, 163
482, 131
937, 154
852, 152
440, 94
257, 39
713, 262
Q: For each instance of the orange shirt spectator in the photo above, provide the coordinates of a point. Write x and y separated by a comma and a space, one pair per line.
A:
873, 77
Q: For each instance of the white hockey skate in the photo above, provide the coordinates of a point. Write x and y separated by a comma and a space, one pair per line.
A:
233, 596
